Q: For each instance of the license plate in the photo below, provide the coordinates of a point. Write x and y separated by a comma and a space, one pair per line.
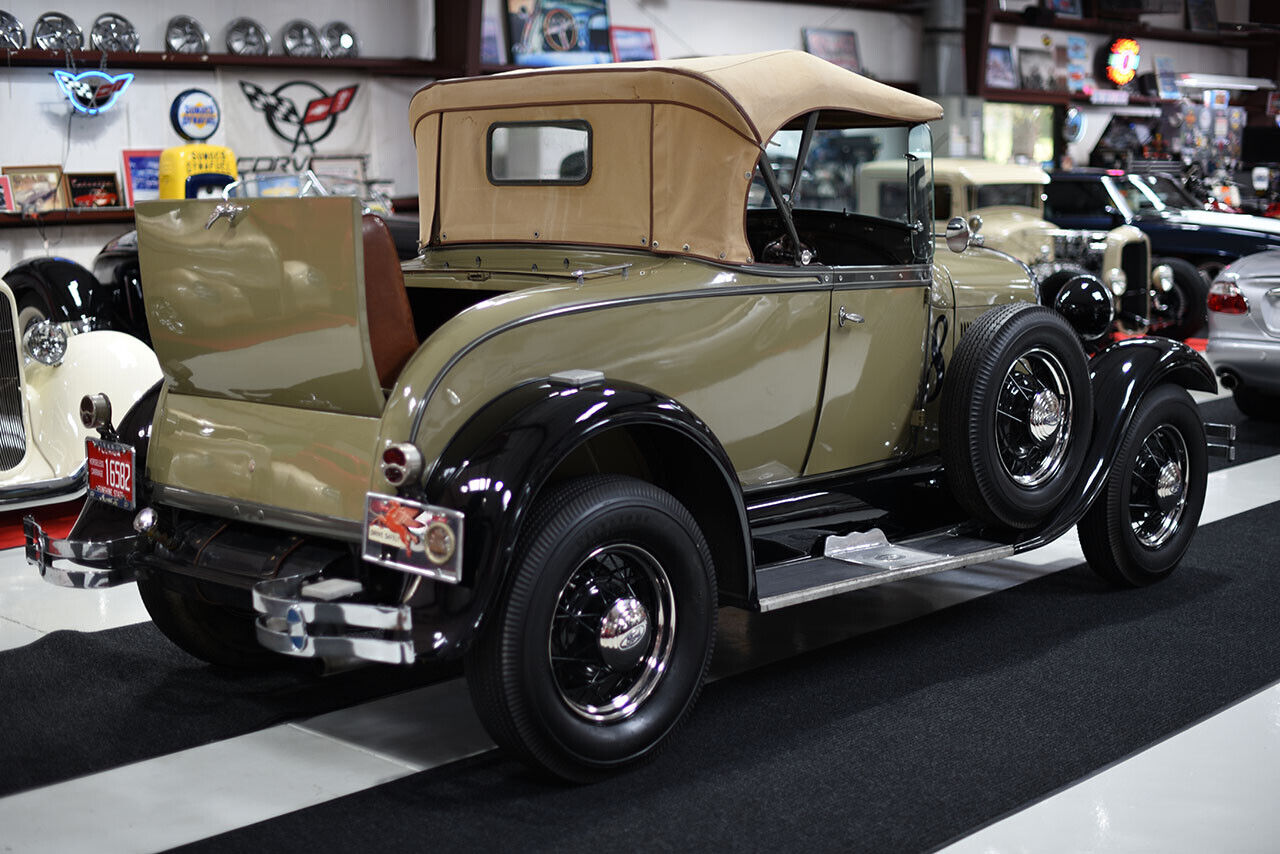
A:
111, 474
413, 537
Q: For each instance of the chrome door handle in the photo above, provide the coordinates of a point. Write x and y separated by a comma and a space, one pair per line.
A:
228, 210
850, 317
1274, 293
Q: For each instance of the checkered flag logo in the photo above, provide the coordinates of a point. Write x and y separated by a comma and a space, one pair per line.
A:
283, 110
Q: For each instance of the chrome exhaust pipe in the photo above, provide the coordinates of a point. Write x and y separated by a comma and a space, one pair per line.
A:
1229, 380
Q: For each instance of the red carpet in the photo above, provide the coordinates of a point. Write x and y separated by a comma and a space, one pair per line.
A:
56, 519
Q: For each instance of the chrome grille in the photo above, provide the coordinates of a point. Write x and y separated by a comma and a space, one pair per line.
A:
1135, 260
13, 439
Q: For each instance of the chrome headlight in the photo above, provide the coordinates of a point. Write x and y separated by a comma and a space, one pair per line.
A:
46, 342
1162, 277
1117, 281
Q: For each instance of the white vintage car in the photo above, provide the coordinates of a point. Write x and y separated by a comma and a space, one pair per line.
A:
45, 371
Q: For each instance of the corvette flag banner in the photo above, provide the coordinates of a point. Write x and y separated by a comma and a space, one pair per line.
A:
295, 113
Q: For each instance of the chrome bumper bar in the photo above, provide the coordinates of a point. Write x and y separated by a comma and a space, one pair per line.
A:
1220, 440
24, 495
296, 618
98, 562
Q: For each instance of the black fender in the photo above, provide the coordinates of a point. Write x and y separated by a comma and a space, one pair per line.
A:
1121, 376
67, 289
495, 467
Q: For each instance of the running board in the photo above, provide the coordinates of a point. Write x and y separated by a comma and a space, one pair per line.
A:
866, 560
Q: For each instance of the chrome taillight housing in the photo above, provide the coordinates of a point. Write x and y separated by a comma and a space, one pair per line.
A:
1225, 297
401, 463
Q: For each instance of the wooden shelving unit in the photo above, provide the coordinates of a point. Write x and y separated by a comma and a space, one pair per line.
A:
405, 67
1225, 37
67, 216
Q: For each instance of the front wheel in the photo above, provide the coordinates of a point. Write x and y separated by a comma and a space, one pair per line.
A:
1257, 404
1182, 312
601, 645
1141, 525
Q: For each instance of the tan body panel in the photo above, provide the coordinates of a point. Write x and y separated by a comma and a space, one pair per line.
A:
880, 360
748, 363
297, 459
258, 307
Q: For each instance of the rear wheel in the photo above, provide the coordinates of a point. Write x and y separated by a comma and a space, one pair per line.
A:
1141, 525
218, 634
601, 645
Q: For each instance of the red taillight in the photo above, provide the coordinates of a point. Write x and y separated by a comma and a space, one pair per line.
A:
1225, 297
401, 463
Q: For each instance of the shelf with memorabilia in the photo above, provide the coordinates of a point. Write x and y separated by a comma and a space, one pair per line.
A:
66, 216
1227, 35
405, 67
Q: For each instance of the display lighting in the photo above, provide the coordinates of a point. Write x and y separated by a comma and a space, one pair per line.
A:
1123, 58
92, 92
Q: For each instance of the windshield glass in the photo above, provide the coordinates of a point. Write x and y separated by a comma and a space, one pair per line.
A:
830, 179
1167, 191
993, 195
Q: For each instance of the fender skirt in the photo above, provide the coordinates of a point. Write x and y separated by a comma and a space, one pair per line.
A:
1121, 376
498, 462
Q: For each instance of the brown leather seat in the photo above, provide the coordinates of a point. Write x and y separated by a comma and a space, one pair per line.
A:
391, 332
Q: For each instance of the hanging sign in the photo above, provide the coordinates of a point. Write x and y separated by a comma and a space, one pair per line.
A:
1122, 59
92, 92
195, 115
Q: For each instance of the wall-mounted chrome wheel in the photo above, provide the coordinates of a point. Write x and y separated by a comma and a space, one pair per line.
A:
599, 649
1016, 416
1139, 528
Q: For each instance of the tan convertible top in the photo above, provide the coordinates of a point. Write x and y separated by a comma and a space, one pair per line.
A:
673, 146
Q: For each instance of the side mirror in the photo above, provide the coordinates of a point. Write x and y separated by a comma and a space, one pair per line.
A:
958, 234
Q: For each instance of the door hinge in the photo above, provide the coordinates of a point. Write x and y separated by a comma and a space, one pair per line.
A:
917, 418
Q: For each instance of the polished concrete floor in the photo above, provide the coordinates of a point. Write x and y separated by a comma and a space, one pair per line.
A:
1212, 787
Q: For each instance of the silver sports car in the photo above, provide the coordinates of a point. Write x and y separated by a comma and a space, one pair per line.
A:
1244, 332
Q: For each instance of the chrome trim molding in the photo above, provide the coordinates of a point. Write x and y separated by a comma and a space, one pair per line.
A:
811, 279
320, 525
289, 623
24, 495
41, 552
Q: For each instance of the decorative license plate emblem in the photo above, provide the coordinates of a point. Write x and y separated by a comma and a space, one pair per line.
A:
111, 475
412, 536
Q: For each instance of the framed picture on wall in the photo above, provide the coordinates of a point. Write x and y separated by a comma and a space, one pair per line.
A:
632, 44
836, 46
93, 189
547, 34
141, 175
36, 188
1035, 69
1202, 16
6, 194
1001, 72
1067, 8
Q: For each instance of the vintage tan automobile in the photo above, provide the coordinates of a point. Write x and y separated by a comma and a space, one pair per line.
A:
608, 398
1005, 204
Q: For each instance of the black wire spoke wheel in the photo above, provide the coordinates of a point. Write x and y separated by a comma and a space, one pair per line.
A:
1157, 497
1138, 529
612, 633
1033, 418
1016, 414
596, 651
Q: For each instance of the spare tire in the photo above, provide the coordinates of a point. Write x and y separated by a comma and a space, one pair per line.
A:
1017, 414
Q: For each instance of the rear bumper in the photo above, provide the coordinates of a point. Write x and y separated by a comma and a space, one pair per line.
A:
1254, 362
98, 563
298, 617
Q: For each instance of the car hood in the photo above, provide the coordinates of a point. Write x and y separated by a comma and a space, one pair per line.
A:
1221, 219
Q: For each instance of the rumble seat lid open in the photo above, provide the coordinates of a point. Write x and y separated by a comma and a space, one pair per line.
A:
675, 143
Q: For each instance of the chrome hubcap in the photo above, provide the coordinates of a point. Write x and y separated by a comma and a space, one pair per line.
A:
1157, 493
623, 632
1033, 418
612, 633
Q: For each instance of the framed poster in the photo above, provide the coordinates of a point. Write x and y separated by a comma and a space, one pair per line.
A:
546, 32
1202, 16
1035, 68
6, 194
836, 46
36, 188
1066, 8
632, 44
141, 175
1166, 79
93, 189
1001, 73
